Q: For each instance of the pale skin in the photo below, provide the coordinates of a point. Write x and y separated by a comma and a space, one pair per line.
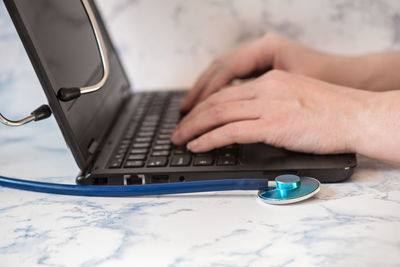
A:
304, 100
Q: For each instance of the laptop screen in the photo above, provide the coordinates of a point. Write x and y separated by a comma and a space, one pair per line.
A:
62, 47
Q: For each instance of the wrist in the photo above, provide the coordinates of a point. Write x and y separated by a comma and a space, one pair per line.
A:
341, 70
363, 72
376, 127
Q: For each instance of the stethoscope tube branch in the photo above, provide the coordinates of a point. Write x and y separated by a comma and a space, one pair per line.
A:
42, 112
68, 94
135, 190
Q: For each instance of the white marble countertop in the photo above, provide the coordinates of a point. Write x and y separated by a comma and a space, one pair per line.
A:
355, 223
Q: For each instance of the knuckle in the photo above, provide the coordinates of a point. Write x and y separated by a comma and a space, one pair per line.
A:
217, 63
218, 112
234, 131
270, 89
275, 79
210, 138
211, 101
275, 74
257, 89
227, 72
272, 37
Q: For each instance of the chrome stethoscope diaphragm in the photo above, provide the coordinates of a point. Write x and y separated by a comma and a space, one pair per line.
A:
289, 189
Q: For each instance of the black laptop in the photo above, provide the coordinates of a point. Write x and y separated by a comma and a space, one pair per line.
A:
122, 137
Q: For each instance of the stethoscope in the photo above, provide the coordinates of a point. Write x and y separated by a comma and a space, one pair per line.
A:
286, 189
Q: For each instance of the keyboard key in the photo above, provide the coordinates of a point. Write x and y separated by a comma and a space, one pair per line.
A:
152, 117
157, 162
150, 123
172, 119
147, 129
137, 157
134, 164
203, 161
121, 151
166, 131
143, 139
181, 150
162, 147
145, 134
155, 111
163, 142
223, 161
181, 160
227, 153
141, 145
160, 153
123, 147
164, 136
129, 135
119, 156
139, 151
168, 125
116, 163
203, 155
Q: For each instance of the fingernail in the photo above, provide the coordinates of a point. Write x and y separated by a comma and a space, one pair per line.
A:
192, 145
173, 135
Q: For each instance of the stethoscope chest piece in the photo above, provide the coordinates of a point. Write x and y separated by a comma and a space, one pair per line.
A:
290, 189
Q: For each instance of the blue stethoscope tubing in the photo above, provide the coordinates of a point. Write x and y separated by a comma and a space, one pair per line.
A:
135, 190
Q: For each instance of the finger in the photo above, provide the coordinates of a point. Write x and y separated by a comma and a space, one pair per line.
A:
201, 82
246, 61
242, 64
220, 79
216, 116
235, 64
233, 93
243, 132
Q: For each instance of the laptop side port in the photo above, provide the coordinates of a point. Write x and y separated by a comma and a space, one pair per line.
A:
100, 181
158, 179
133, 179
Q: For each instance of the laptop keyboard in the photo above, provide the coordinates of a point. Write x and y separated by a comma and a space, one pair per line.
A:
146, 140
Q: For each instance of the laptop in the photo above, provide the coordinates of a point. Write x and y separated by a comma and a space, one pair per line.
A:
122, 137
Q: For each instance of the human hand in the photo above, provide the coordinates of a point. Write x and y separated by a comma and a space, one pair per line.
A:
254, 58
280, 109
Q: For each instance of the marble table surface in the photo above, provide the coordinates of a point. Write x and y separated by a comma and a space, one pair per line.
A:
355, 223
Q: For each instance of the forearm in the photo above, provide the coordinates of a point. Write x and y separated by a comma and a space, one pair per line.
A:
374, 72
377, 127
